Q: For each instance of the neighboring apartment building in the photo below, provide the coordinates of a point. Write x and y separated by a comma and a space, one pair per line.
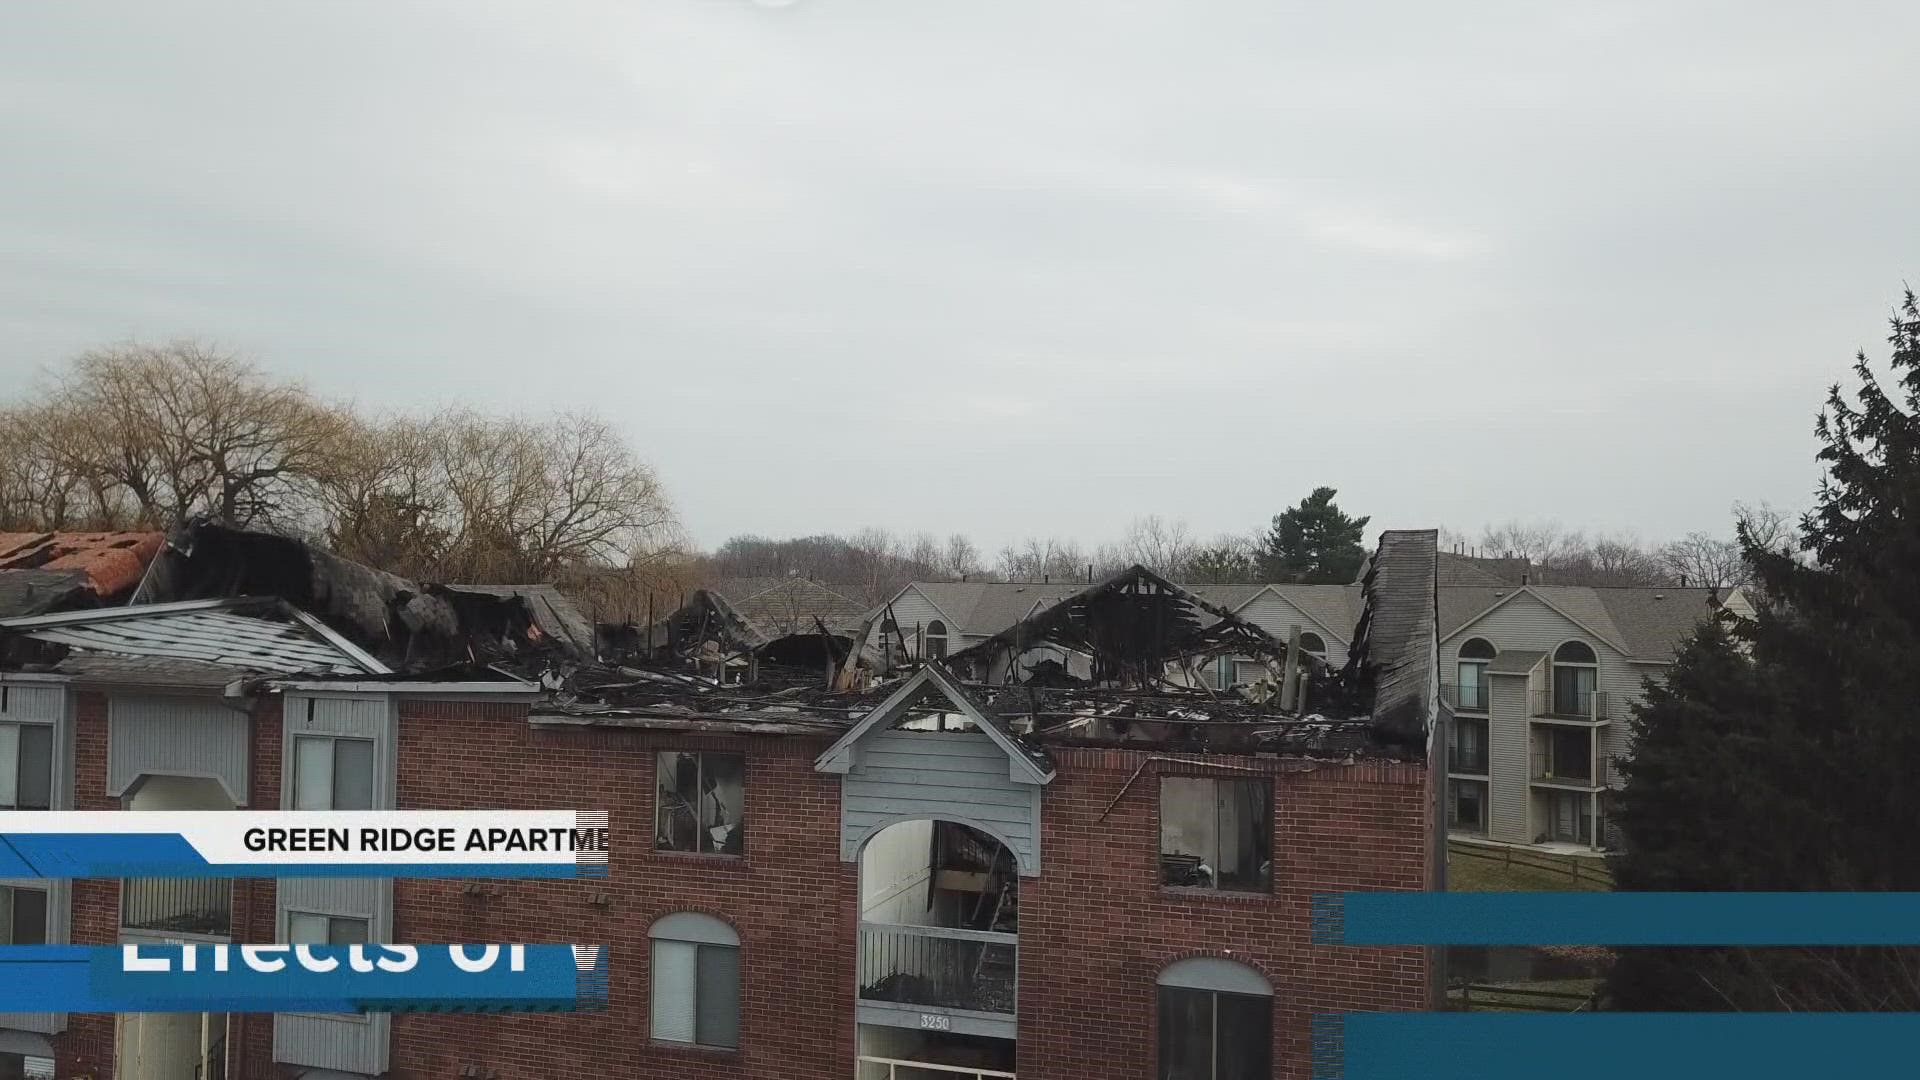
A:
1541, 681
1004, 881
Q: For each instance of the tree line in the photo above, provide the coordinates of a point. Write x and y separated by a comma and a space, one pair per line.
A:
1313, 542
144, 436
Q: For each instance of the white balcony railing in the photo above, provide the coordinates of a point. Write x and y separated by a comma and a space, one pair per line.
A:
897, 1069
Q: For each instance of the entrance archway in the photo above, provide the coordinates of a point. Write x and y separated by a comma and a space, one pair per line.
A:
938, 953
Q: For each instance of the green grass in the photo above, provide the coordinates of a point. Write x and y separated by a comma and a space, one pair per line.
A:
1471, 873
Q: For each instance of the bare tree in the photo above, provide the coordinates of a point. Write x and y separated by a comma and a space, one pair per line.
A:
185, 430
960, 559
1036, 559
466, 497
1229, 559
1162, 546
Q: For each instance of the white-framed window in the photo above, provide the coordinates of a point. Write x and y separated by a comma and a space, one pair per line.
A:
1216, 833
936, 635
26, 766
1470, 691
332, 773
701, 802
695, 993
1576, 676
1216, 1021
23, 915
1313, 645
305, 928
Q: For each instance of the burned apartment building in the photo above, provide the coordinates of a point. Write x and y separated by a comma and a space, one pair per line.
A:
982, 866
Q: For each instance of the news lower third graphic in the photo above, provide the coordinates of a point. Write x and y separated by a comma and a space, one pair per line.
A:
1609, 1045
294, 843
303, 978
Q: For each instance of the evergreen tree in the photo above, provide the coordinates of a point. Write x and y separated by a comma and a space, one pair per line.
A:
1783, 752
1314, 542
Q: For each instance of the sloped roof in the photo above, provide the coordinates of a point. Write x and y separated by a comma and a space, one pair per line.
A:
1454, 568
1644, 623
778, 607
247, 636
1515, 661
113, 562
556, 616
1028, 764
984, 608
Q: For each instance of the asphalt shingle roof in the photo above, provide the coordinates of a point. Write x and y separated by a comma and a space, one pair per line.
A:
1644, 623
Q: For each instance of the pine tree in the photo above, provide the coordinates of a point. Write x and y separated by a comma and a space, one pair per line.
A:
1783, 752
1314, 542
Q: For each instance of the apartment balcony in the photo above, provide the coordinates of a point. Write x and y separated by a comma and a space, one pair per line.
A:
1467, 761
1564, 706
1467, 697
934, 967
198, 906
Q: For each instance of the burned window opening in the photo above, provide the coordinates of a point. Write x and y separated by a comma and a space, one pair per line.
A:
701, 803
1216, 833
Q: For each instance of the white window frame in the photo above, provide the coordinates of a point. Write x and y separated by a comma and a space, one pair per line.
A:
333, 764
10, 738
700, 931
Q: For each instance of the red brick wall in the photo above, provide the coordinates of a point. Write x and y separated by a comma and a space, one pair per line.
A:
790, 897
86, 1048
1096, 927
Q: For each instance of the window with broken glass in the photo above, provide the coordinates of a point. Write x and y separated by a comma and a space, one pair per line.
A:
702, 803
1216, 833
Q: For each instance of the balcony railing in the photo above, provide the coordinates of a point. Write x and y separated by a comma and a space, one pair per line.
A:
1584, 706
178, 905
880, 1068
938, 968
1471, 760
1466, 697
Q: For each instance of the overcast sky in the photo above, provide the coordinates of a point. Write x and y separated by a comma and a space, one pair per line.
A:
1008, 268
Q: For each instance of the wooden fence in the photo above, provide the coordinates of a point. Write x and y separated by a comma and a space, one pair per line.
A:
1580, 868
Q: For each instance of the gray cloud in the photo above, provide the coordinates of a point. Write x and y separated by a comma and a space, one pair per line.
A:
1006, 267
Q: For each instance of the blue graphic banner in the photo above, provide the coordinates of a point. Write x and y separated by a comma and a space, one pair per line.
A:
273, 843
303, 978
1608, 1046
1616, 918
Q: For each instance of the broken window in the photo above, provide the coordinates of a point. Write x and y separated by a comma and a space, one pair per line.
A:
937, 640
1216, 834
26, 766
1216, 1021
702, 803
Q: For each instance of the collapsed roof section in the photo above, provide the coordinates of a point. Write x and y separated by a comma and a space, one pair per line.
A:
409, 625
790, 622
1132, 625
195, 643
65, 571
1393, 667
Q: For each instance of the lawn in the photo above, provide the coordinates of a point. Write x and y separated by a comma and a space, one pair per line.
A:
1470, 869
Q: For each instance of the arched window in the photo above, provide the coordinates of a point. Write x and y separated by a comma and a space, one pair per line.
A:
1575, 678
937, 640
696, 980
1216, 1020
1470, 689
1313, 644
